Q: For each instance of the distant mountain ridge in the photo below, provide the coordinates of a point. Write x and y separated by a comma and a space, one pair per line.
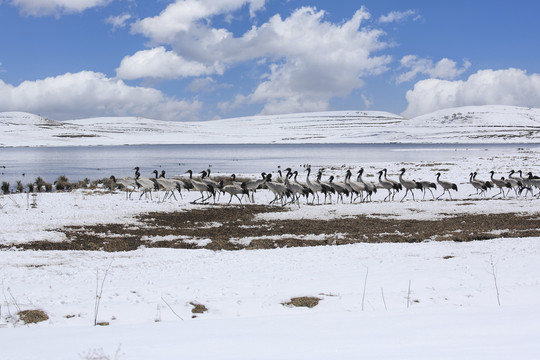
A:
471, 124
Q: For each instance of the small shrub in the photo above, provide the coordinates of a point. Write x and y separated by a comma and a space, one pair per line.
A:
20, 186
32, 316
62, 184
108, 183
30, 187
82, 184
5, 187
40, 184
48, 187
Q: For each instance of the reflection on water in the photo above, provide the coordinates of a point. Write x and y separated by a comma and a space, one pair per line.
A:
98, 162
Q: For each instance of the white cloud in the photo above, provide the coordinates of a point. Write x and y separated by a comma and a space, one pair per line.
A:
119, 21
485, 87
317, 60
398, 16
308, 59
160, 63
182, 15
444, 69
56, 7
367, 101
90, 94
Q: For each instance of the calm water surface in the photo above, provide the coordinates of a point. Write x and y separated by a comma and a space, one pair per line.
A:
98, 162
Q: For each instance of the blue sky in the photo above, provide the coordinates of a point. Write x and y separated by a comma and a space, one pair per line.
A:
203, 59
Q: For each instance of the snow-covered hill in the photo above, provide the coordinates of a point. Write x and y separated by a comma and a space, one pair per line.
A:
472, 124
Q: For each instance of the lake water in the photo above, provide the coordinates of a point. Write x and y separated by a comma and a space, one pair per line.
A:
98, 162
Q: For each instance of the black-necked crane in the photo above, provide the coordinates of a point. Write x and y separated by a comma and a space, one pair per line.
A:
517, 183
296, 189
533, 181
396, 185
409, 185
253, 185
205, 178
501, 184
339, 188
202, 188
525, 182
489, 184
235, 190
306, 191
128, 183
427, 185
315, 187
385, 184
480, 186
169, 185
327, 190
370, 186
279, 190
355, 187
144, 183
446, 185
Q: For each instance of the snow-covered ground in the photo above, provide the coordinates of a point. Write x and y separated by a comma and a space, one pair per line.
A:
472, 124
428, 300
387, 301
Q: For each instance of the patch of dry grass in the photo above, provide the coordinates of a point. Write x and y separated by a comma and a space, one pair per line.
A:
229, 224
198, 308
303, 301
32, 316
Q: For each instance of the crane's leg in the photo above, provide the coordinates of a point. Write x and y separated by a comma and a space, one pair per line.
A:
403, 198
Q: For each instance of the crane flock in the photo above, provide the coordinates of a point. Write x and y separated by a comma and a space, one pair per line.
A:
288, 189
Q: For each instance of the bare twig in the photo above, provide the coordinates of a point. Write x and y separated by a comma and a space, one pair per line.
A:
170, 307
14, 300
99, 291
384, 301
364, 293
495, 279
6, 299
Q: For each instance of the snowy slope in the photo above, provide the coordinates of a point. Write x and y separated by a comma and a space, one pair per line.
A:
472, 124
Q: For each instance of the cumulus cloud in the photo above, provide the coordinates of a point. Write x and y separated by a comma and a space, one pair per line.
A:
90, 94
182, 15
398, 16
444, 69
307, 59
318, 60
119, 21
56, 7
485, 87
160, 63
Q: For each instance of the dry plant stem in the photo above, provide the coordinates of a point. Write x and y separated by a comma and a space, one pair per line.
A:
99, 291
14, 300
174, 312
495, 280
364, 292
384, 301
6, 299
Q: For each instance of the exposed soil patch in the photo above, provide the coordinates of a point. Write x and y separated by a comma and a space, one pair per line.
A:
237, 227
